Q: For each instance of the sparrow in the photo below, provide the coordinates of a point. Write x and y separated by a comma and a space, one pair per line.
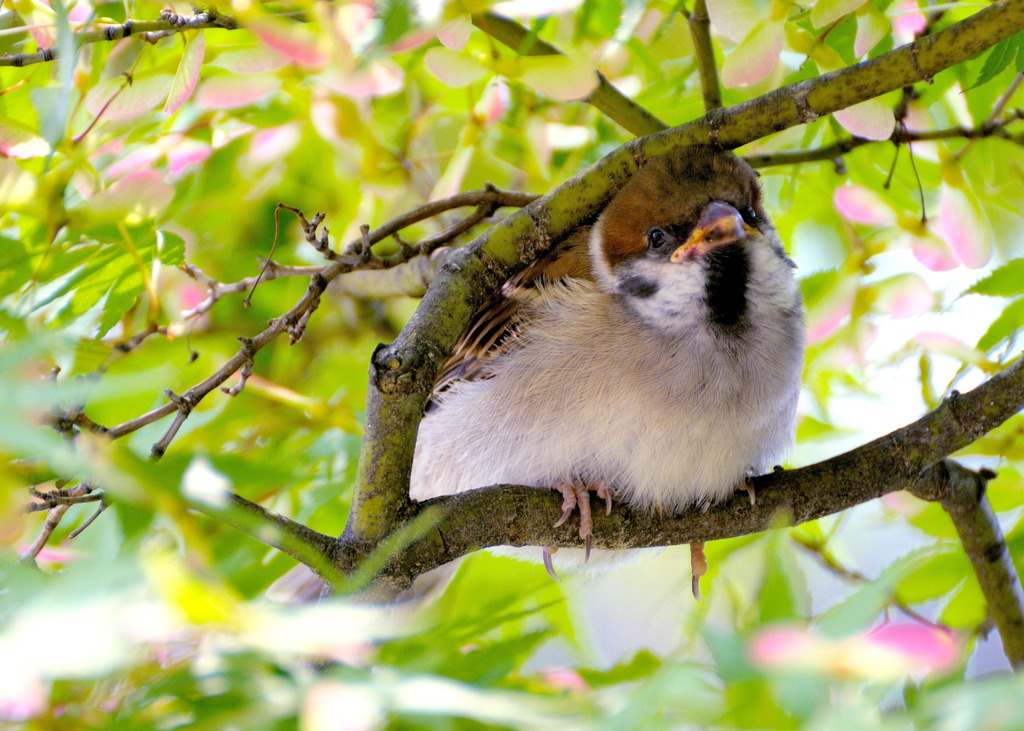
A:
653, 357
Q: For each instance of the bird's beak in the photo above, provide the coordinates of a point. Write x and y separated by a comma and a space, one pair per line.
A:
719, 224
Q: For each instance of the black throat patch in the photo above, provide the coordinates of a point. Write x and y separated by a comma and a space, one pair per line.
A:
728, 268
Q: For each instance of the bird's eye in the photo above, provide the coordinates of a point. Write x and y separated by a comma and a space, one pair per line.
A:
749, 216
656, 238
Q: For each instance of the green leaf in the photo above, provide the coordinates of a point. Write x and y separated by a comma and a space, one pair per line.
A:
170, 248
15, 265
936, 577
859, 609
643, 664
188, 73
997, 59
121, 297
1010, 321
395, 20
967, 608
783, 593
1006, 281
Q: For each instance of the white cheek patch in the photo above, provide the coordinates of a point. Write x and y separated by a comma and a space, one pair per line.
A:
671, 298
602, 270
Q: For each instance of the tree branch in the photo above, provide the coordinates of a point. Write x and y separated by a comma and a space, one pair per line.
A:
704, 53
402, 374
168, 24
962, 494
995, 128
522, 516
605, 97
357, 256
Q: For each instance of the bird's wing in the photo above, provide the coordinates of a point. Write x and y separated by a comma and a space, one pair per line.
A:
498, 320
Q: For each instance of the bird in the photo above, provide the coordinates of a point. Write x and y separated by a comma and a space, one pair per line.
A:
653, 357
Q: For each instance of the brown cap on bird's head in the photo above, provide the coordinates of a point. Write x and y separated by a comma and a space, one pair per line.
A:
674, 192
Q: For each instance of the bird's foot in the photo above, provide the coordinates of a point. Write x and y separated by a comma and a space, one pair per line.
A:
747, 485
577, 495
548, 565
698, 567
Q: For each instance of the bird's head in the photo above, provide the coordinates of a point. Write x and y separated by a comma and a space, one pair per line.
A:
687, 240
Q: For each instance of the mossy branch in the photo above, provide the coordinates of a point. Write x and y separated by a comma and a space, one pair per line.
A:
403, 373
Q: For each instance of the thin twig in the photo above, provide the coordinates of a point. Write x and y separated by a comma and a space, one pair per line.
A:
487, 202
604, 97
829, 561
167, 25
59, 500
99, 509
704, 54
358, 256
900, 136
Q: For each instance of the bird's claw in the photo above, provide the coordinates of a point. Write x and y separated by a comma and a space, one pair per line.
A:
577, 495
698, 567
747, 485
603, 491
548, 565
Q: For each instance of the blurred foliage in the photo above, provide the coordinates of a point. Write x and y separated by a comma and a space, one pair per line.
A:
139, 157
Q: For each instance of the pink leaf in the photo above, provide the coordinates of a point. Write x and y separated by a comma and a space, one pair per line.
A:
872, 119
323, 114
918, 646
756, 56
231, 92
857, 204
58, 554
783, 646
905, 295
928, 248
563, 78
946, 344
353, 19
872, 27
453, 67
188, 73
454, 34
380, 78
903, 504
137, 159
829, 11
291, 40
962, 226
136, 197
413, 40
910, 20
562, 678
255, 60
187, 156
889, 651
270, 145
23, 695
142, 95
558, 136
493, 102
825, 317
40, 19
80, 12
20, 142
933, 252
734, 19
534, 8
